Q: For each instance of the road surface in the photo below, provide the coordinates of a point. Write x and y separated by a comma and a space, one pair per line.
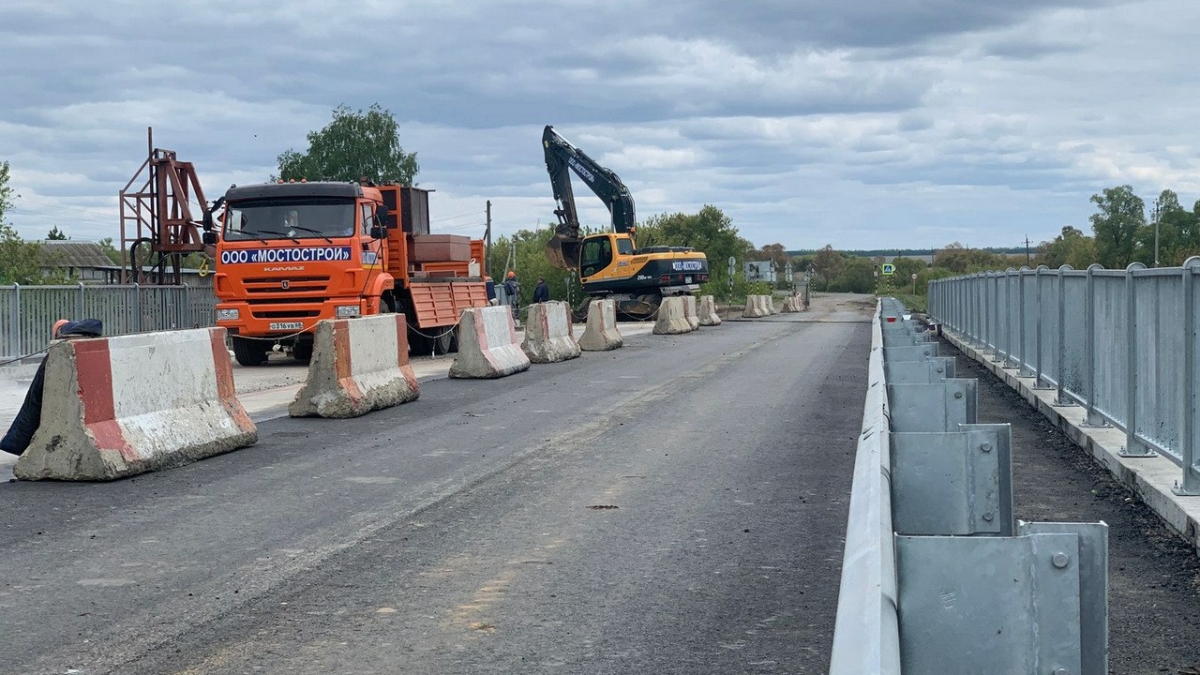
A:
674, 506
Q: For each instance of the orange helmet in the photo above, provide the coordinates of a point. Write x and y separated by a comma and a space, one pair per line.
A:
512, 275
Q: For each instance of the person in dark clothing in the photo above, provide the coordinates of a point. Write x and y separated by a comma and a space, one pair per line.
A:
512, 288
541, 292
490, 285
29, 417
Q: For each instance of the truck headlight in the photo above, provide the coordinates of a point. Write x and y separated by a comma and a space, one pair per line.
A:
227, 315
344, 311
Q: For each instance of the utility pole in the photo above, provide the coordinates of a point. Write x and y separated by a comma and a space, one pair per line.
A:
487, 252
1156, 204
1027, 260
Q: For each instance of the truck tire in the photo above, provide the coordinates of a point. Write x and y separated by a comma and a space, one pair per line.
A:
302, 352
250, 352
418, 345
445, 343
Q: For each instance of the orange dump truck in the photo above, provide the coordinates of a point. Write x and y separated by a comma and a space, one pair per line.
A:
291, 254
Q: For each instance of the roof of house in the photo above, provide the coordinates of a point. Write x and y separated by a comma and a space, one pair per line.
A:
75, 254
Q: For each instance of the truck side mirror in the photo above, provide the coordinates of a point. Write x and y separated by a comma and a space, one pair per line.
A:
381, 216
207, 220
209, 237
378, 232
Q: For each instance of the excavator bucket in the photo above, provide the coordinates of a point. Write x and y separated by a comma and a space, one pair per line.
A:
563, 251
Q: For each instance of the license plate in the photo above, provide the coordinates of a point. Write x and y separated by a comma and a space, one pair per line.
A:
287, 325
687, 280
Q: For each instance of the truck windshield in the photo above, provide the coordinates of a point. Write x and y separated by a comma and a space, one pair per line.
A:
289, 220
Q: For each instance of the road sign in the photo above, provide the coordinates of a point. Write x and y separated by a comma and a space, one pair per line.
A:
888, 269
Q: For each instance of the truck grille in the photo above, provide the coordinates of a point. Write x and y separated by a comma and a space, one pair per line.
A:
295, 284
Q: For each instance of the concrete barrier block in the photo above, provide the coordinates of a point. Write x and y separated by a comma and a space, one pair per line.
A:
358, 365
487, 345
708, 311
689, 311
769, 304
601, 334
120, 406
549, 335
755, 307
671, 318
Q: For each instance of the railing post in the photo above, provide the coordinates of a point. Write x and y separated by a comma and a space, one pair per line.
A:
137, 307
1039, 340
1060, 398
1133, 447
1011, 322
1190, 485
1023, 357
1092, 418
18, 339
79, 304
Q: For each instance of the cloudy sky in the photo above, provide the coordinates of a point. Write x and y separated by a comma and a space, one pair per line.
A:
857, 123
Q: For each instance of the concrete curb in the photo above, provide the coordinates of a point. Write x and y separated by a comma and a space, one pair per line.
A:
1151, 478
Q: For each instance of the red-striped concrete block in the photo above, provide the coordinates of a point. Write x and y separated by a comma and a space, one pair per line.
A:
549, 334
119, 406
358, 365
487, 345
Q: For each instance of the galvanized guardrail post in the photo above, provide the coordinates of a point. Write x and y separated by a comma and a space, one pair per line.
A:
1061, 398
1092, 418
1039, 365
1133, 447
1190, 485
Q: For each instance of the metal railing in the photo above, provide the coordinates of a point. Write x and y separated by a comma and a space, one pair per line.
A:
27, 313
938, 576
1119, 343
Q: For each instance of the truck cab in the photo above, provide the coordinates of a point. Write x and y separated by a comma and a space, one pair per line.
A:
292, 254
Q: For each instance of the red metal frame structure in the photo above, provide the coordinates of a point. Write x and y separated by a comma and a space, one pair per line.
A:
158, 214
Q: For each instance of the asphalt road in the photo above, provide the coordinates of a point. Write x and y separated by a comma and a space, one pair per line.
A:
676, 506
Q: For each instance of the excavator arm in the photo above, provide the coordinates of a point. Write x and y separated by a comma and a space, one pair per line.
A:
563, 249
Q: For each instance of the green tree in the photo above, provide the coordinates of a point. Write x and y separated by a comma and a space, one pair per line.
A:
858, 276
1071, 247
113, 253
1120, 215
19, 261
709, 230
56, 234
354, 145
827, 265
7, 195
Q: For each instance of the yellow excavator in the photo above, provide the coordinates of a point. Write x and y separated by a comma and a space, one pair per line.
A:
610, 265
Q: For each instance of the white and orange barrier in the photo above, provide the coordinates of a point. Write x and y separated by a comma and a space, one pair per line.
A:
120, 406
358, 365
601, 334
672, 319
549, 335
487, 345
708, 311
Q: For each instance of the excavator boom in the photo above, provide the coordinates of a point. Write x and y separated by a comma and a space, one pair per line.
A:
561, 158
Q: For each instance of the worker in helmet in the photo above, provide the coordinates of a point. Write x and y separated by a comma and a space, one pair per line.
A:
512, 288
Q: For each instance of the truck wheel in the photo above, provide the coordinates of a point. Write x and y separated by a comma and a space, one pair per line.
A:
302, 352
418, 344
250, 352
444, 343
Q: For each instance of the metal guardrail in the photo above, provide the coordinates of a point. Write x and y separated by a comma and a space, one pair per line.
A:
1120, 343
27, 313
938, 576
